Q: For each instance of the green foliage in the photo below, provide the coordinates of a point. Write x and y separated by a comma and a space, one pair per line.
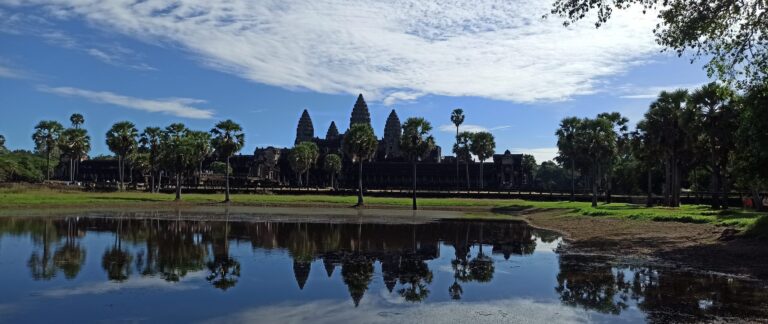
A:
303, 156
2, 145
483, 145
360, 143
415, 141
228, 138
122, 138
457, 117
219, 167
730, 33
332, 163
462, 146
77, 120
21, 166
752, 139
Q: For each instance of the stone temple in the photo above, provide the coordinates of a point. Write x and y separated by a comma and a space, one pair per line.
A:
389, 169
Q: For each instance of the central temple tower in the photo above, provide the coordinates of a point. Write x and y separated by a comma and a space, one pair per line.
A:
305, 132
392, 133
360, 114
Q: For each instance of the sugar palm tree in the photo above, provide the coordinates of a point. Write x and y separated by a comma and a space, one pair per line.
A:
302, 158
332, 165
77, 120
150, 141
360, 145
463, 152
457, 118
174, 147
567, 148
201, 147
121, 140
46, 137
483, 146
416, 143
76, 143
2, 144
228, 139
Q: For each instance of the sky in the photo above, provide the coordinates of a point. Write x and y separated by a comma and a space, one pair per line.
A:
515, 71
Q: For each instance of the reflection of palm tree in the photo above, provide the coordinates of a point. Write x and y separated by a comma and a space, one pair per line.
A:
70, 257
116, 261
594, 287
224, 271
481, 268
417, 275
41, 265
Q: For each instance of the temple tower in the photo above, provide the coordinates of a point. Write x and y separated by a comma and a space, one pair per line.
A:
360, 114
305, 131
392, 133
333, 132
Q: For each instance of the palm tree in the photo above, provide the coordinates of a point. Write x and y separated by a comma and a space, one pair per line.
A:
150, 141
46, 136
302, 158
228, 139
416, 143
174, 147
596, 138
121, 140
457, 118
462, 151
567, 148
201, 147
77, 120
483, 146
332, 165
360, 145
76, 143
2, 144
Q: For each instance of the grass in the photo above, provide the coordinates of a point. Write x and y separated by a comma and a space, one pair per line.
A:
20, 197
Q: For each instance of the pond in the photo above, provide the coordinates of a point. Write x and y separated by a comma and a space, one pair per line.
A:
192, 267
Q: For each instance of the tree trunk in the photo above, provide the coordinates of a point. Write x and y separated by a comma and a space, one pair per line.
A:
756, 201
608, 185
151, 182
573, 180
414, 184
667, 182
178, 177
360, 185
120, 172
481, 174
715, 186
307, 184
649, 199
466, 168
457, 159
595, 180
48, 164
226, 191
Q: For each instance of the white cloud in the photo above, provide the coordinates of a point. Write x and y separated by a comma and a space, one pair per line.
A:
180, 107
451, 128
652, 92
8, 73
540, 153
389, 50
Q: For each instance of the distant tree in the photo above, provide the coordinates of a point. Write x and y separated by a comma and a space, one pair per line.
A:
529, 167
463, 151
75, 143
77, 120
715, 117
731, 34
121, 140
664, 130
46, 138
618, 150
550, 176
150, 141
219, 167
302, 157
416, 143
199, 150
360, 145
457, 118
483, 146
2, 145
175, 150
596, 139
568, 153
332, 165
228, 139
647, 154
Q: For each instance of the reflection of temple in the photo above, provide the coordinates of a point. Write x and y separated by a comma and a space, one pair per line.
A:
172, 249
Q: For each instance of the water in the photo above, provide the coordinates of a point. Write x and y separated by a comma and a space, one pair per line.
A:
161, 267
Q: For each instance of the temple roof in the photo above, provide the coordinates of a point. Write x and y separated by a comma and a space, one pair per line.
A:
304, 131
360, 113
333, 132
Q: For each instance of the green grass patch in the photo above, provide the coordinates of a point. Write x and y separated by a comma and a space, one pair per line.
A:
14, 197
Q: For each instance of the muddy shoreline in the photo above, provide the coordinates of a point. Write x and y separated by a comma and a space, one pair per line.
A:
702, 247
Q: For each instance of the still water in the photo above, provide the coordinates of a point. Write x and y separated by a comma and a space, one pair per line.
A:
168, 267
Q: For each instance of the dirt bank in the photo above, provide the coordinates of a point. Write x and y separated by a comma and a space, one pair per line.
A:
699, 246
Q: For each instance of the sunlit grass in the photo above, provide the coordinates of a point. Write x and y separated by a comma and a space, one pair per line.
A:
42, 197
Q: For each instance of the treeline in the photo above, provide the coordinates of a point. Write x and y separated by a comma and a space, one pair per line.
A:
709, 139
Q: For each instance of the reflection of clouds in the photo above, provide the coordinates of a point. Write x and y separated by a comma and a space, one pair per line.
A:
138, 283
378, 310
6, 309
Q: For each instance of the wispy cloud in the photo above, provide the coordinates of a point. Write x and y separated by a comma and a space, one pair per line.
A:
389, 50
180, 107
652, 92
9, 73
451, 128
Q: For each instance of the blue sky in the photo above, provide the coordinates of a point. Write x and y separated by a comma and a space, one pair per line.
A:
261, 63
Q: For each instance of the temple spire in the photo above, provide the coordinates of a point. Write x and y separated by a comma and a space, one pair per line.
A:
304, 131
360, 114
333, 132
392, 133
